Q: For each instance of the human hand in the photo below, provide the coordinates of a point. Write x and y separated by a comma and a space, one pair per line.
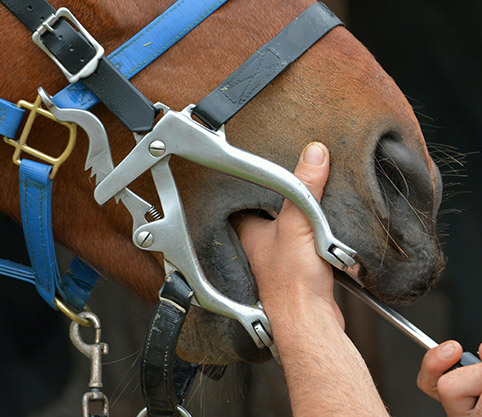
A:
323, 369
458, 390
282, 252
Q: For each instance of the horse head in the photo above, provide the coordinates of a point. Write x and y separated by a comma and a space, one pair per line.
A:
381, 199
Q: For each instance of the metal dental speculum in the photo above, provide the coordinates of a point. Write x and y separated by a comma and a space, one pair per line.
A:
177, 133
181, 135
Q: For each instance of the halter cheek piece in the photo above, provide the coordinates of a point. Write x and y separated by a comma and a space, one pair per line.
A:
176, 133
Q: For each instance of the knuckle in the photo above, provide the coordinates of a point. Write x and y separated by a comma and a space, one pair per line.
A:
446, 387
309, 177
421, 381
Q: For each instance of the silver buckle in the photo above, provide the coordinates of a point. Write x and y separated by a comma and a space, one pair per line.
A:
47, 24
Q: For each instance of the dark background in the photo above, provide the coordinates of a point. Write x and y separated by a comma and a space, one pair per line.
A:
433, 50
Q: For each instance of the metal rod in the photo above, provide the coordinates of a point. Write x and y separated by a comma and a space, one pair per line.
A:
388, 313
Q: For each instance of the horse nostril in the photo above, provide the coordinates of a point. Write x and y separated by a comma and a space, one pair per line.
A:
403, 176
390, 178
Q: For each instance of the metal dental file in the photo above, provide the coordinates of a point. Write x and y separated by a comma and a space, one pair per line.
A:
397, 320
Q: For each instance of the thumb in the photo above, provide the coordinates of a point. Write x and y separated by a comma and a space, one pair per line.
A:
435, 363
312, 170
313, 166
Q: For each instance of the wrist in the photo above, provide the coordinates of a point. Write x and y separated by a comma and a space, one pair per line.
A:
303, 306
315, 352
296, 322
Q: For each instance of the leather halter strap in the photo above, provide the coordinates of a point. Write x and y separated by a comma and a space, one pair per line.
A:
165, 378
265, 65
131, 106
73, 50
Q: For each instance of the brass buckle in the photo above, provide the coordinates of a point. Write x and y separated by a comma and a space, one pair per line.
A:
21, 145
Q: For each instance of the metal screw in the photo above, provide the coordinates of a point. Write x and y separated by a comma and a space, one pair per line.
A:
157, 148
145, 239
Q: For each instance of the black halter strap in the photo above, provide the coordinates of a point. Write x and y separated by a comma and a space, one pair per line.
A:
265, 65
71, 48
165, 378
136, 111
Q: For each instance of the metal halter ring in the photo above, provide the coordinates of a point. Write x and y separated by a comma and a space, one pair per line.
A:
72, 315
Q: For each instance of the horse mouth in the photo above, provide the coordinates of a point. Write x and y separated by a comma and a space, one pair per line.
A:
227, 267
355, 272
383, 284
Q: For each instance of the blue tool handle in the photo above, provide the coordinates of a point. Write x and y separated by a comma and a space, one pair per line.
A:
466, 360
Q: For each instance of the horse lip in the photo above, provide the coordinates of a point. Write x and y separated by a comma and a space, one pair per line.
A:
357, 272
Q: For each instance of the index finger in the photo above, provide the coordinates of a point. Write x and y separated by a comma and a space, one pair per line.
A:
435, 363
460, 389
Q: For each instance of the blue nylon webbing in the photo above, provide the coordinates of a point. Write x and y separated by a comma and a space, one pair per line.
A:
17, 271
36, 209
10, 118
35, 193
145, 47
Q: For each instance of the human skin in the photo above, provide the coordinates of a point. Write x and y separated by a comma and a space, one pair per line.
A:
325, 373
458, 390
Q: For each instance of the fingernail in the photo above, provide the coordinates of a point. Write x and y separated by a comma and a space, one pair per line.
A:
447, 350
314, 154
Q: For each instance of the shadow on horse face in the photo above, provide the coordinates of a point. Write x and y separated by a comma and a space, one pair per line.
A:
381, 198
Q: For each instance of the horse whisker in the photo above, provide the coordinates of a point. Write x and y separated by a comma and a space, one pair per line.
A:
136, 353
117, 397
417, 212
390, 237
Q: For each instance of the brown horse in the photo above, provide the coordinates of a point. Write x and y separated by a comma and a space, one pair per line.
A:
381, 199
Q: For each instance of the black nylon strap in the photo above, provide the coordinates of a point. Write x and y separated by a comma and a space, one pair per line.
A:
71, 48
165, 378
265, 64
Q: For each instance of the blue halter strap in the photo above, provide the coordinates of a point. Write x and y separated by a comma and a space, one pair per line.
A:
36, 186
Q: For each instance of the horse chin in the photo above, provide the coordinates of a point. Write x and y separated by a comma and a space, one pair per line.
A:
403, 283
